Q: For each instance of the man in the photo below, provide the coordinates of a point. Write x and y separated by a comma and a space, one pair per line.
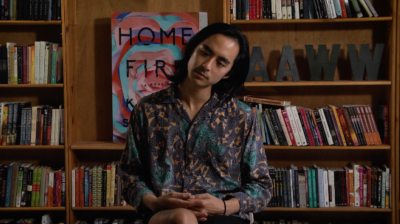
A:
194, 153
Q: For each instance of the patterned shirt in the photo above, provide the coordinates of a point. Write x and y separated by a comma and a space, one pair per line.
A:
220, 152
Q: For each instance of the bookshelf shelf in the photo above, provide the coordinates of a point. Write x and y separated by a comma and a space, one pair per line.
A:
361, 148
117, 208
289, 21
319, 83
97, 145
31, 85
334, 209
29, 22
49, 147
32, 209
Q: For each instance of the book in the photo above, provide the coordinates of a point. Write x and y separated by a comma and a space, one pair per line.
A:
168, 35
266, 101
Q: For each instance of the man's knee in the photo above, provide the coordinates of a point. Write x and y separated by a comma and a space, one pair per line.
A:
182, 216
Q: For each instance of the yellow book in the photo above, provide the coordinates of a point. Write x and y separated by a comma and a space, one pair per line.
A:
338, 124
108, 192
112, 185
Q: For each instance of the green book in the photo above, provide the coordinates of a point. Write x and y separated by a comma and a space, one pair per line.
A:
42, 187
38, 180
19, 185
383, 201
314, 188
33, 194
310, 191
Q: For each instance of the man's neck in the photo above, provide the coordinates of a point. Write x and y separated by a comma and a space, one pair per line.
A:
193, 97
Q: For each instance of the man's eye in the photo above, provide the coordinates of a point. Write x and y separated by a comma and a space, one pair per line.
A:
203, 52
220, 64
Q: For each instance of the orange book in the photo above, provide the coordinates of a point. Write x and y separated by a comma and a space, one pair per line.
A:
350, 126
363, 125
372, 120
268, 101
367, 125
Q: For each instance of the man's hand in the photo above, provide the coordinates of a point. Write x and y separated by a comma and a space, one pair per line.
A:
210, 204
174, 200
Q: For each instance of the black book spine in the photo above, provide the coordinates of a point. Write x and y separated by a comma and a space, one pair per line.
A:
280, 189
320, 127
280, 130
316, 186
335, 187
1, 182
331, 127
19, 64
304, 128
289, 188
40, 8
238, 9
275, 123
38, 125
31, 14
317, 9
54, 9
244, 9
3, 79
293, 9
379, 190
297, 193
323, 9
26, 9
345, 188
285, 193
20, 9
357, 127
2, 9
265, 9
58, 9
24, 186
35, 5
29, 183
45, 118
6, 9
313, 128
348, 10
306, 8
301, 8
104, 188
273, 177
45, 10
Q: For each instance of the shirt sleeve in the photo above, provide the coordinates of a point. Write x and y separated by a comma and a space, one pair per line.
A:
131, 169
256, 186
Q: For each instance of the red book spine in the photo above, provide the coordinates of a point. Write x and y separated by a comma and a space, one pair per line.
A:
59, 188
252, 9
49, 126
55, 189
307, 126
368, 187
24, 75
363, 125
342, 5
288, 127
82, 187
361, 178
77, 189
257, 9
367, 125
261, 9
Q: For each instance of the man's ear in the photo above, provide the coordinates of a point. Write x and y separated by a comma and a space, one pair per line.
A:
227, 75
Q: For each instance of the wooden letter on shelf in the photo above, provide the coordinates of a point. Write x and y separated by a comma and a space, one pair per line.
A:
287, 57
358, 64
322, 61
257, 56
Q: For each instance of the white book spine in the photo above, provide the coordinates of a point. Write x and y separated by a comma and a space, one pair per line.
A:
328, 9
234, 9
356, 173
366, 8
383, 200
320, 188
326, 127
284, 12
293, 126
331, 180
326, 188
273, 9
73, 187
285, 131
289, 9
37, 61
278, 5
42, 55
8, 61
297, 10
53, 128
371, 8
299, 126
333, 8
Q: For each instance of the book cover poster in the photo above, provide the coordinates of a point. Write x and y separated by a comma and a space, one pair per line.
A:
144, 48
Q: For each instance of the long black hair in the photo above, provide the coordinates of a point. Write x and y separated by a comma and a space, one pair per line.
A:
239, 70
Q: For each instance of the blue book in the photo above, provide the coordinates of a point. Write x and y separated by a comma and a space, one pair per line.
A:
8, 186
266, 129
87, 187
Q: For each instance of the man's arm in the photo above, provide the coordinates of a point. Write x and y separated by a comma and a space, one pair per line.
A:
131, 169
255, 192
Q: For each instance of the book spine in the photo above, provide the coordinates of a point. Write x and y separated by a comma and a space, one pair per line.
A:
284, 128
331, 127
325, 127
63, 189
271, 127
335, 126
313, 128
319, 127
349, 123
288, 127
346, 132
293, 126
19, 186
28, 126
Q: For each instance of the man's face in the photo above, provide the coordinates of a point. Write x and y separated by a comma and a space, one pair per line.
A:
212, 60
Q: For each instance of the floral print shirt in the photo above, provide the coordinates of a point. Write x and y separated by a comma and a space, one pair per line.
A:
219, 152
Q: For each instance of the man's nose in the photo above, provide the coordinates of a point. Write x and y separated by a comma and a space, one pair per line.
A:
207, 64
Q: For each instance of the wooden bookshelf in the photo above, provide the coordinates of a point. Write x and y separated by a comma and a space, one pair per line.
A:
28, 22
346, 20
28, 147
319, 83
117, 208
31, 85
29, 209
396, 180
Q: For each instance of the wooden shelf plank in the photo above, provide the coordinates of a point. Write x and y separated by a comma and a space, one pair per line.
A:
29, 22
371, 147
97, 145
31, 85
319, 83
116, 208
29, 147
333, 209
105, 145
270, 209
286, 21
38, 209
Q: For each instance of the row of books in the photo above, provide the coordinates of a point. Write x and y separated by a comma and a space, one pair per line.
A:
96, 186
281, 221
110, 221
350, 125
21, 124
30, 10
300, 9
353, 185
40, 63
27, 185
44, 220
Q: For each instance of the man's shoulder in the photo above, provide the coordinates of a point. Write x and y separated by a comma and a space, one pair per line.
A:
240, 106
162, 96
